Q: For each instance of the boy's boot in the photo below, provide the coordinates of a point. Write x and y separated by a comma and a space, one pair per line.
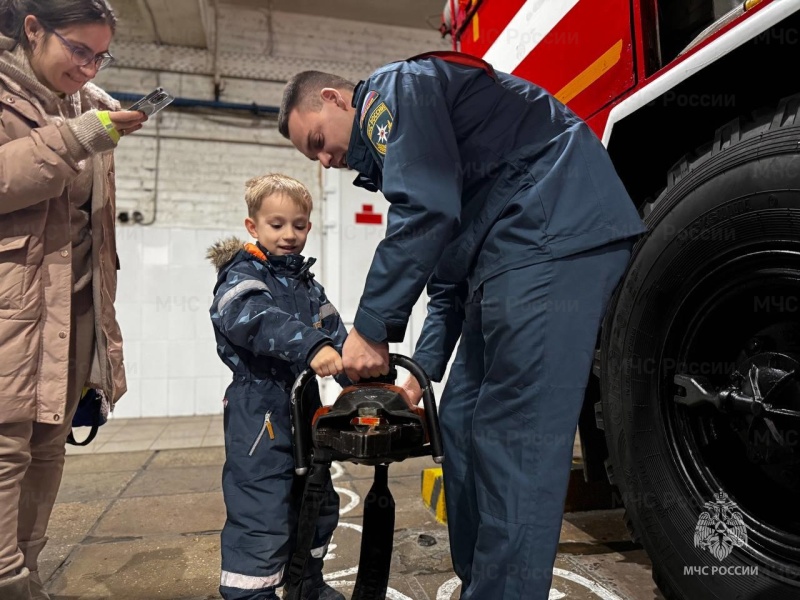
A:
314, 587
324, 592
31, 550
15, 587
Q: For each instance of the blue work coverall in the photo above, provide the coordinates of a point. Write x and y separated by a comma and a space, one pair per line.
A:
270, 317
508, 207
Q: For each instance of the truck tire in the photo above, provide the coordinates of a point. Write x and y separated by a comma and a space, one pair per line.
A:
713, 292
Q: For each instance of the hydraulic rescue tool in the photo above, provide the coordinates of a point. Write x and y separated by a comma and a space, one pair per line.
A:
371, 423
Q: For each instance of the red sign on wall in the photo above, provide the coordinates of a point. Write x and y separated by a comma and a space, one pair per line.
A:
368, 216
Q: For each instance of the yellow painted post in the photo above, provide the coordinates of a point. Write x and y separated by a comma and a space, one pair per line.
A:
433, 493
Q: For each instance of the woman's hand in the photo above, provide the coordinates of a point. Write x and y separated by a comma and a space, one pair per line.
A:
127, 121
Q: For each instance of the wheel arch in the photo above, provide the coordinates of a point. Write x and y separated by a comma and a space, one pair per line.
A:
645, 144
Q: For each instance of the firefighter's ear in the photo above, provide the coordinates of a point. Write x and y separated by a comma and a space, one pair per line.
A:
335, 96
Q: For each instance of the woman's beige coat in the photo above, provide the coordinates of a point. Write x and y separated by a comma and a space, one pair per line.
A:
36, 260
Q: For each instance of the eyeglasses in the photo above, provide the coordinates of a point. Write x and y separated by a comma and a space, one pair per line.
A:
82, 56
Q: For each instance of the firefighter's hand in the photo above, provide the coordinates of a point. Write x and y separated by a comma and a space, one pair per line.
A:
327, 362
413, 391
364, 358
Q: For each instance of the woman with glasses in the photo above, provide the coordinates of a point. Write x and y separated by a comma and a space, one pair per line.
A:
58, 331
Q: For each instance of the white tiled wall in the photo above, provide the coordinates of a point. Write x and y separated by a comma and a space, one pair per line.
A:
165, 290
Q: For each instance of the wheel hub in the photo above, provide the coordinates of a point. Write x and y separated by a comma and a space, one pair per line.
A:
763, 399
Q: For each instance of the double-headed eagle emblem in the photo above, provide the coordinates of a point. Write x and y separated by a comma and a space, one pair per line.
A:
720, 527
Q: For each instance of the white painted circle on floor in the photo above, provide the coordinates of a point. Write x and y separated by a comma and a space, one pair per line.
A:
354, 500
592, 586
355, 526
447, 589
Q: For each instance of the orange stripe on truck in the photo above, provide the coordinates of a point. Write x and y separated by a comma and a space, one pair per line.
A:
591, 73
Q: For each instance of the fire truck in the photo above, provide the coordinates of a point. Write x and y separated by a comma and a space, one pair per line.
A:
693, 412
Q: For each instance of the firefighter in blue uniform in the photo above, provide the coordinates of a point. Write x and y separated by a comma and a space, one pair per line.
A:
506, 205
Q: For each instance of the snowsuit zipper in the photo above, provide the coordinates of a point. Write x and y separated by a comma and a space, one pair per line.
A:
268, 428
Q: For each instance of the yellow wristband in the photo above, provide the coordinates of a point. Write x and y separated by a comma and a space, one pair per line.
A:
110, 129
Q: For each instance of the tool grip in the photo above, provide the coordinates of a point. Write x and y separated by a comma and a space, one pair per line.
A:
302, 446
431, 414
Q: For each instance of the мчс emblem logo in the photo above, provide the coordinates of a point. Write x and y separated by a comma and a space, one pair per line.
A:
379, 126
720, 527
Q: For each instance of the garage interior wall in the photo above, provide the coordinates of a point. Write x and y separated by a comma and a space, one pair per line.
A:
180, 180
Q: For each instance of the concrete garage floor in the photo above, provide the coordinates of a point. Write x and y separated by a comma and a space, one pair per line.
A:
142, 523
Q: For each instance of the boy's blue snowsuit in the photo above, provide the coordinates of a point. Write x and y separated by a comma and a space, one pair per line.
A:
508, 207
270, 317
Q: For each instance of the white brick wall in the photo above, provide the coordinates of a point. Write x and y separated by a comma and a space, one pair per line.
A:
187, 168
204, 159
196, 178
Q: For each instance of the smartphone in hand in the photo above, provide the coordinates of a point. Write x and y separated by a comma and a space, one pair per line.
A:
153, 102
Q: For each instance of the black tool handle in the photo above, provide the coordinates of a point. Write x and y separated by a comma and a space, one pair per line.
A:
302, 445
431, 414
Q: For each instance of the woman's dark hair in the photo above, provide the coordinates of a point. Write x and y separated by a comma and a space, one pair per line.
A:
52, 14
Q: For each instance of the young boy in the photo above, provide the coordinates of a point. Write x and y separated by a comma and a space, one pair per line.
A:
271, 320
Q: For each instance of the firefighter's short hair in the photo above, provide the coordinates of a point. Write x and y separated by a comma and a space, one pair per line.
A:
303, 90
263, 186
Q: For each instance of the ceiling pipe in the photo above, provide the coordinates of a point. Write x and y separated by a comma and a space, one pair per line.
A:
253, 108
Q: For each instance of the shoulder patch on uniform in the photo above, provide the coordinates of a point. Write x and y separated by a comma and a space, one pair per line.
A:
368, 101
379, 127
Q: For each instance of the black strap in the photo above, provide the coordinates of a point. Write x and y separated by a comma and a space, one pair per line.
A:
313, 494
375, 560
92, 433
89, 438
377, 535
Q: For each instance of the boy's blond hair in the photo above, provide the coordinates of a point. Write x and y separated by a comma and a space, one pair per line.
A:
258, 188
